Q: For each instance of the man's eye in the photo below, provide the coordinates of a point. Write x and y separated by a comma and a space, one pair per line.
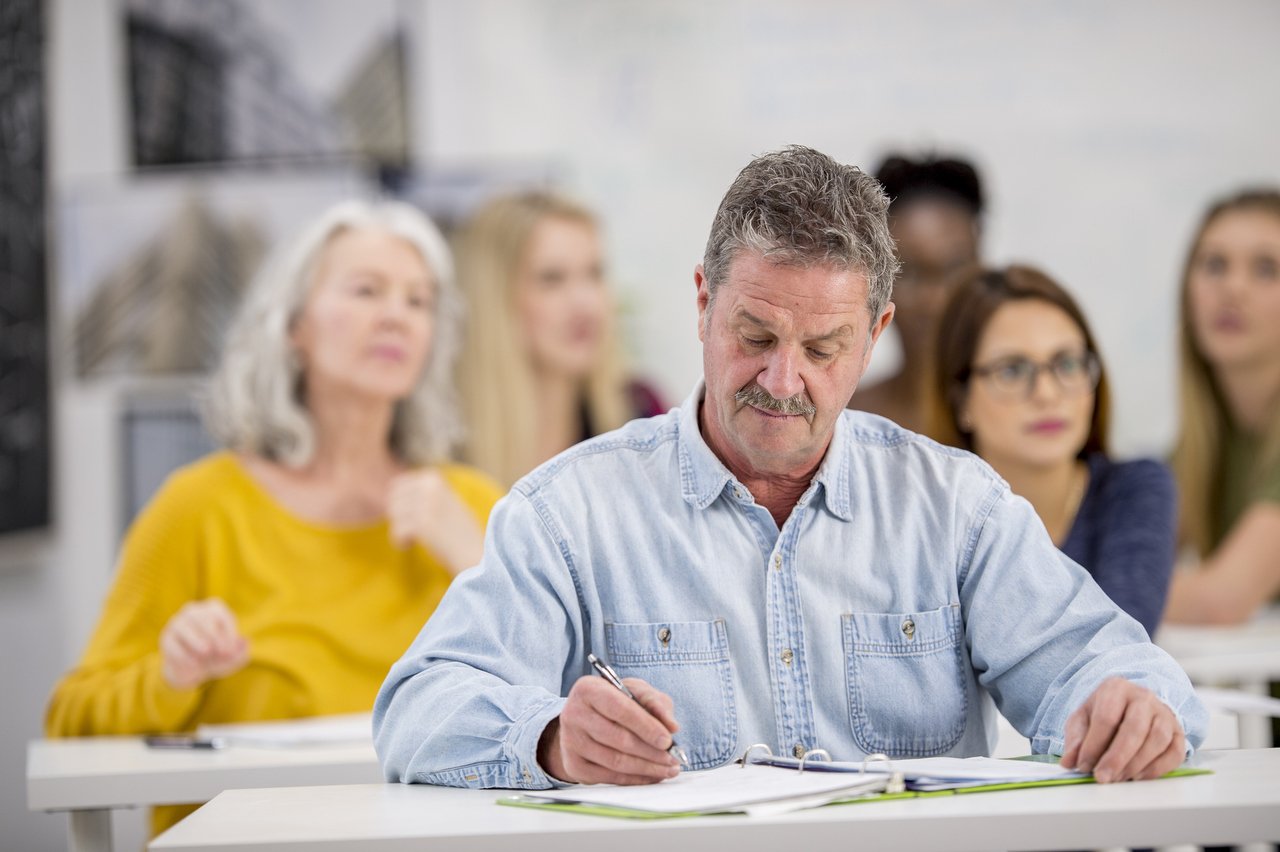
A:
752, 341
820, 354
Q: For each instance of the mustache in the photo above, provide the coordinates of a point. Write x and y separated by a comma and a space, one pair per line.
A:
757, 397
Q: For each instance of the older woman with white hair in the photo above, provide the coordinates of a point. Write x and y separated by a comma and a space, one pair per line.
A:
283, 575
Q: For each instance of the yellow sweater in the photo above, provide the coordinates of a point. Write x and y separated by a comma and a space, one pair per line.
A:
325, 610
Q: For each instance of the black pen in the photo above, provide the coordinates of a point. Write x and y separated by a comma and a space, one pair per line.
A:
602, 669
183, 741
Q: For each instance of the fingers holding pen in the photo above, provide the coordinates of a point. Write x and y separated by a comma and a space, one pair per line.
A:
604, 736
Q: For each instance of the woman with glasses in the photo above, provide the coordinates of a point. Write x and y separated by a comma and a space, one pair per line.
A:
1227, 459
1019, 382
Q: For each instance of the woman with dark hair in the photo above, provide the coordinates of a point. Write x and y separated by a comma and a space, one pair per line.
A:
935, 214
1227, 459
1018, 380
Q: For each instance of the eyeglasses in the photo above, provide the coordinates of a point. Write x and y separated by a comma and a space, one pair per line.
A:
1075, 373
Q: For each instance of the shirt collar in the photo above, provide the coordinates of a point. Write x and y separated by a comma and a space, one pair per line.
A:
703, 477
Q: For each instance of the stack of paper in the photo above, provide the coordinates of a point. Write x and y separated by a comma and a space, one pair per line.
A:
952, 773
728, 789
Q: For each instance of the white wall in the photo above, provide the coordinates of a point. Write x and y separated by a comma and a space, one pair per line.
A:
1102, 128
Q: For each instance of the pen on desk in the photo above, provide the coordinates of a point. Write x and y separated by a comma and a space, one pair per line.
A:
181, 741
602, 668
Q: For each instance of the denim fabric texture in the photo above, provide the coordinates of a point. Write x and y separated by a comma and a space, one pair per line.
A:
908, 589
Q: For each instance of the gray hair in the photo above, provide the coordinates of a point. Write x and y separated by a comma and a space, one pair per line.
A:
254, 402
799, 207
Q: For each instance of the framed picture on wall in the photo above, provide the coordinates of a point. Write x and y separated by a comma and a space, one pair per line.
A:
24, 337
241, 81
152, 271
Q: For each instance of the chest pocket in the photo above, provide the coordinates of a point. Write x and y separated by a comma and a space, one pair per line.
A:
907, 695
688, 660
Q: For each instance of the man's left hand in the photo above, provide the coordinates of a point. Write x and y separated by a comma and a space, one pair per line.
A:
1123, 732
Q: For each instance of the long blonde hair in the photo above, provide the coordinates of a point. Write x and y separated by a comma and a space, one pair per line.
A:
1203, 416
496, 377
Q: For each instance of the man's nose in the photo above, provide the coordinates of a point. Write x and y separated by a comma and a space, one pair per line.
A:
781, 373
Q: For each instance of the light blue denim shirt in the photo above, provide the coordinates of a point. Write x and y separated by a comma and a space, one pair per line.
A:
907, 589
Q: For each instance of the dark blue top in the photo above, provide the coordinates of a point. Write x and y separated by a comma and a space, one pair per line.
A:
1125, 534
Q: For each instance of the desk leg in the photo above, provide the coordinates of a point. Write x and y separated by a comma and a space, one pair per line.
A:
1255, 730
90, 831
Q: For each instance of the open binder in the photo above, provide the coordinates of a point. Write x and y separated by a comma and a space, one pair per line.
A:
759, 782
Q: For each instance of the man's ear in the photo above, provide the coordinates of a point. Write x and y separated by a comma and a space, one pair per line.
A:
704, 300
877, 328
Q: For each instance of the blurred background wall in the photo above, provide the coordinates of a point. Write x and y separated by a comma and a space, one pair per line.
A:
1101, 129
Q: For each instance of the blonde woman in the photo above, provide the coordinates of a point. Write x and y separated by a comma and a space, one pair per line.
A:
1227, 459
541, 367
282, 576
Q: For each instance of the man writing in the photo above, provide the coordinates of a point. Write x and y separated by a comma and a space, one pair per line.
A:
764, 566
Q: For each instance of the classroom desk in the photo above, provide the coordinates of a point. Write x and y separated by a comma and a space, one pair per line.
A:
1240, 803
91, 776
1244, 656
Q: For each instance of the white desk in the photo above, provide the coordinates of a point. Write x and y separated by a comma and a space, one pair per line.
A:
1245, 656
91, 776
1240, 803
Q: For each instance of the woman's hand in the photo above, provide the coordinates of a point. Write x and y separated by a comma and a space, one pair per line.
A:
201, 643
423, 508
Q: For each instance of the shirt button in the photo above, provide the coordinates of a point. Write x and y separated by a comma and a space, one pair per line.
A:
777, 561
909, 628
787, 656
798, 750
528, 779
664, 636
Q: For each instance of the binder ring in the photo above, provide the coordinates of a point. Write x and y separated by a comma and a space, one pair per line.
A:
897, 784
742, 761
814, 753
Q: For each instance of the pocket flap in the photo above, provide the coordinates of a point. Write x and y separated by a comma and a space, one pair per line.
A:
906, 633
666, 642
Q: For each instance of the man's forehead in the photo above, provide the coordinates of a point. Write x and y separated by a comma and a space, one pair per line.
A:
811, 324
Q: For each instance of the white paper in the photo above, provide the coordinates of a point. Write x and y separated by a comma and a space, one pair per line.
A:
947, 771
950, 773
353, 729
727, 788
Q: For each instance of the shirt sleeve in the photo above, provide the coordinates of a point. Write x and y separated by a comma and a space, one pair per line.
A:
450, 711
1042, 662
117, 687
1137, 540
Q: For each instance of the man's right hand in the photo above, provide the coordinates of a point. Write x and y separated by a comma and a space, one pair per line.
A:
201, 642
603, 737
